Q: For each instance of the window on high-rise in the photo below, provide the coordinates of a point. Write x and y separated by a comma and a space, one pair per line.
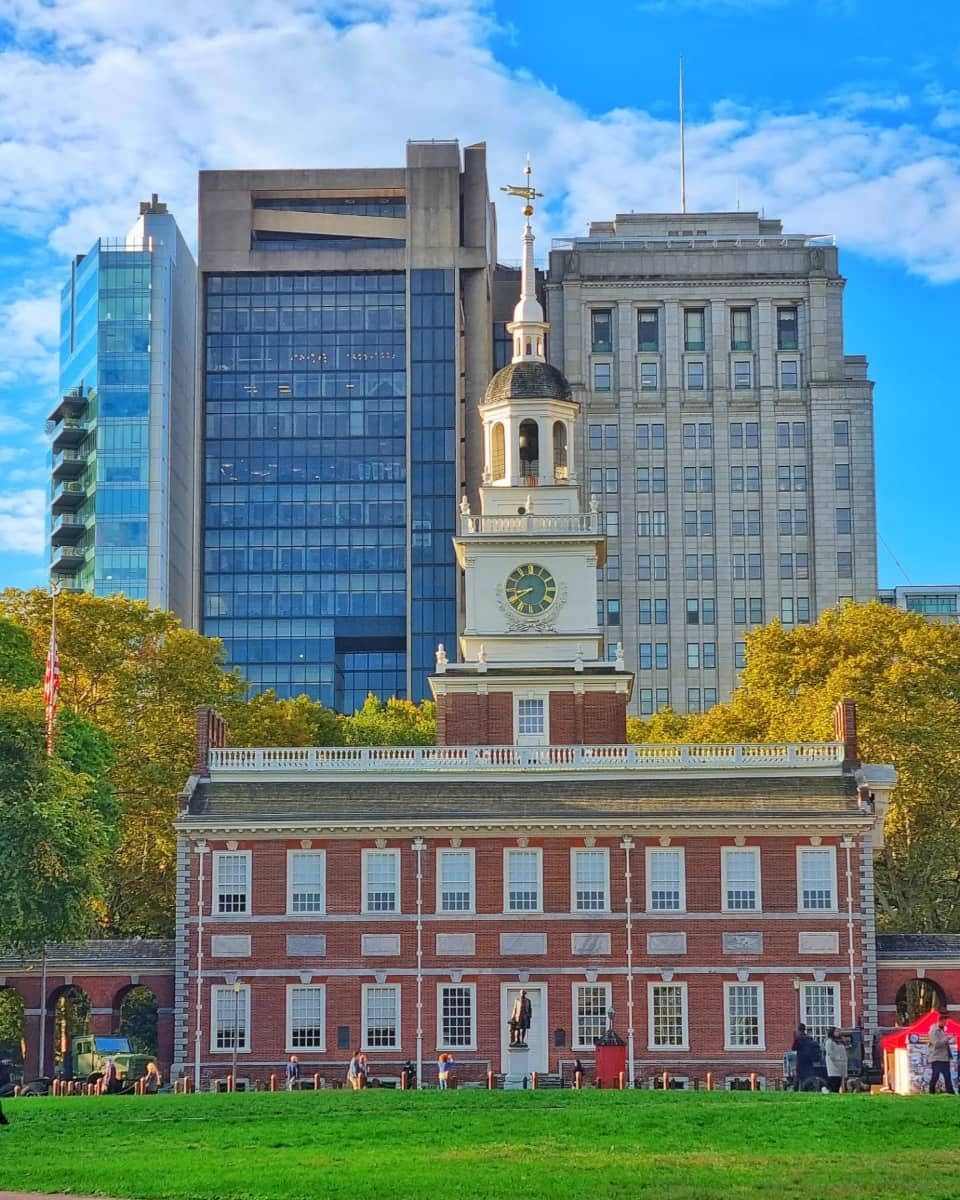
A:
742, 374
602, 376
740, 332
648, 377
648, 330
693, 329
787, 329
789, 373
841, 433
695, 376
601, 329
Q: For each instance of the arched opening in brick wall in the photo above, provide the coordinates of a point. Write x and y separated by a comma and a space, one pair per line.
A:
68, 1017
919, 996
13, 1032
135, 1017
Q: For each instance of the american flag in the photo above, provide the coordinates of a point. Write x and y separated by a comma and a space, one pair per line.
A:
51, 680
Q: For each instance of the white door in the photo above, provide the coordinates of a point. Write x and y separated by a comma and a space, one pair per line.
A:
536, 1057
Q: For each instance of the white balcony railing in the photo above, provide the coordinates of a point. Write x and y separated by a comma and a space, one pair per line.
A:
565, 523
389, 760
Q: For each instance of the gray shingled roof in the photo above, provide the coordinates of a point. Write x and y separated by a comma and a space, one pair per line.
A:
527, 381
135, 954
918, 945
522, 799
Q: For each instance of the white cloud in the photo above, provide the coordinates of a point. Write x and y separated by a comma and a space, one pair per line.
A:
22, 521
28, 345
860, 100
135, 100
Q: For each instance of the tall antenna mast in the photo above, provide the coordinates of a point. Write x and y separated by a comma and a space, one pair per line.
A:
683, 149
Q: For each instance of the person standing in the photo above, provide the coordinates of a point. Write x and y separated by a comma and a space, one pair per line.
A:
444, 1063
151, 1080
808, 1055
354, 1072
293, 1074
836, 1059
939, 1058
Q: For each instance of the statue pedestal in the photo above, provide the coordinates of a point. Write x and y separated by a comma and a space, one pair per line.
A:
518, 1068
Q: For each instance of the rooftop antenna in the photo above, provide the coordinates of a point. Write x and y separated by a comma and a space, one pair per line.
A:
683, 149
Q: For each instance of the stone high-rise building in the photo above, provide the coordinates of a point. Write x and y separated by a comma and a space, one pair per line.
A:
727, 435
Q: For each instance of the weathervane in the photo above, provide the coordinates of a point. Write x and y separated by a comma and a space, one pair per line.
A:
527, 193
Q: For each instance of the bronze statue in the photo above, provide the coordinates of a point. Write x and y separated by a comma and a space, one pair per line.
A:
520, 1018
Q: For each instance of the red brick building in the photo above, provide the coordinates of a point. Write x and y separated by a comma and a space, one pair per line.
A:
700, 899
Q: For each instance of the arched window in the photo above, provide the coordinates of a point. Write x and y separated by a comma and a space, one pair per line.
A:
529, 451
559, 451
917, 997
498, 453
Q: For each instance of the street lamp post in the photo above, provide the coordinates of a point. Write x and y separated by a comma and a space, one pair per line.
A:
237, 989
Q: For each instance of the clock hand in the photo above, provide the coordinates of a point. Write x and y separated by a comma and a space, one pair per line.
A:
526, 592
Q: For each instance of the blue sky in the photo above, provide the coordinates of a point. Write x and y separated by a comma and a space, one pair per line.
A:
837, 116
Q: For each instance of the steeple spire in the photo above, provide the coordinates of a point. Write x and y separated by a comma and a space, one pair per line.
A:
528, 325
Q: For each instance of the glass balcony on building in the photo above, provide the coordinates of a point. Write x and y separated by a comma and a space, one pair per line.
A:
68, 464
67, 560
69, 434
67, 497
67, 529
70, 406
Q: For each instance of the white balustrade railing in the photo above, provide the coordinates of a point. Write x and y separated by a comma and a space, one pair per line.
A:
564, 523
447, 759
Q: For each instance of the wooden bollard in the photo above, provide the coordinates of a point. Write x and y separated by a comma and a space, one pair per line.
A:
316, 1082
753, 1081
403, 1081
17, 1089
176, 1087
229, 1083
533, 1079
578, 1080
621, 1081
490, 1081
273, 1081
55, 1088
709, 1081
665, 1079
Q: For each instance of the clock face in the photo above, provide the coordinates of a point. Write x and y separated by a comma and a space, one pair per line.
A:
530, 589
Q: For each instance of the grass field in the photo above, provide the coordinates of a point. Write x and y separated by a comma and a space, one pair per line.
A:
465, 1144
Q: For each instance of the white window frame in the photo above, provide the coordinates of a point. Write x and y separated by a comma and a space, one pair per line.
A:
576, 1043
218, 857
216, 990
508, 850
470, 853
531, 739
366, 990
832, 851
321, 856
812, 1026
379, 912
652, 1044
676, 850
604, 853
728, 1043
321, 990
472, 989
725, 852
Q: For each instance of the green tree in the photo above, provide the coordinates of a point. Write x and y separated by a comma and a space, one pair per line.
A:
59, 826
265, 720
139, 676
391, 723
19, 666
903, 672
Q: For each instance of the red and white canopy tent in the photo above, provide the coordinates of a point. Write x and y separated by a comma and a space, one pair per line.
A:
905, 1052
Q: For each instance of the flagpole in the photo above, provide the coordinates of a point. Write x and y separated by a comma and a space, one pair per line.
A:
51, 677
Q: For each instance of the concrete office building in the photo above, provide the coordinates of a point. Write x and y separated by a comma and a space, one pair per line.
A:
122, 493
935, 602
729, 438
347, 337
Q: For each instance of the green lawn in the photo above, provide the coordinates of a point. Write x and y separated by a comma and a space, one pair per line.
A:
465, 1144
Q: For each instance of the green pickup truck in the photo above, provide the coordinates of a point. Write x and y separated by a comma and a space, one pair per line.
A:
89, 1054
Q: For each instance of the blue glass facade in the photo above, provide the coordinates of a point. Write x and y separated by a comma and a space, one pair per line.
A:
105, 358
305, 501
433, 471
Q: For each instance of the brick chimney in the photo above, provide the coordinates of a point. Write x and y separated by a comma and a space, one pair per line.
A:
211, 735
845, 730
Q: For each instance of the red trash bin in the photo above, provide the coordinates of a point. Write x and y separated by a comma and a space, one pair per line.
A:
610, 1061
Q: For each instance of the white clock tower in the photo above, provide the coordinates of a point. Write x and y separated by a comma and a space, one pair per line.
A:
532, 655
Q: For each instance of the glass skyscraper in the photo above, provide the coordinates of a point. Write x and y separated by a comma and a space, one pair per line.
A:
122, 495
345, 320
